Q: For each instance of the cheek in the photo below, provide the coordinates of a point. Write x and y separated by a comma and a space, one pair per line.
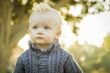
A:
50, 36
49, 39
33, 33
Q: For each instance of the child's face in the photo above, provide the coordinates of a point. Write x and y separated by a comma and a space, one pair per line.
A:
42, 29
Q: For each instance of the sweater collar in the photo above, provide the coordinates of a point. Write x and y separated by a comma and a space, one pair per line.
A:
51, 47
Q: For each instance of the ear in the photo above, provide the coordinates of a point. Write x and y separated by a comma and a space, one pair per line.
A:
58, 34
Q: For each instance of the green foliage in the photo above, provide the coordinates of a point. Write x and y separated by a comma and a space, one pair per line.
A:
98, 6
93, 59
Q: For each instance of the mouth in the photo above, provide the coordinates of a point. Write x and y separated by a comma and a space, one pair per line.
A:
39, 38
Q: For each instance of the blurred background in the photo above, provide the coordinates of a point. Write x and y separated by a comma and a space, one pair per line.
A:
85, 31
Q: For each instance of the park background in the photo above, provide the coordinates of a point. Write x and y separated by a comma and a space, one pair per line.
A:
85, 31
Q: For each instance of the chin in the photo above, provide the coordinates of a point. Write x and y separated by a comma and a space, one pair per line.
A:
40, 42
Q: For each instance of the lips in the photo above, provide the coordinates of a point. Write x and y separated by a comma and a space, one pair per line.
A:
39, 37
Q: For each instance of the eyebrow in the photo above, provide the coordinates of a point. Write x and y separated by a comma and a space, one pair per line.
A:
44, 24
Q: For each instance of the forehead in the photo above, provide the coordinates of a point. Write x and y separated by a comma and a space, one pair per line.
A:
39, 18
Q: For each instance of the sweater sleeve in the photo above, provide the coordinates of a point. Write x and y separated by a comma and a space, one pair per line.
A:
19, 68
71, 66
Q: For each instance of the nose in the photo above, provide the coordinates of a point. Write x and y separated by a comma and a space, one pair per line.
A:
40, 33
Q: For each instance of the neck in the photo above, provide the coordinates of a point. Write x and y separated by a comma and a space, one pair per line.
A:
43, 47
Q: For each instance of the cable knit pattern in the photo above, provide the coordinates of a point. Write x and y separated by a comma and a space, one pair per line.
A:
56, 60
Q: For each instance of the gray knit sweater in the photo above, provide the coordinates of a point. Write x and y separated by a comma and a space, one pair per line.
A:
56, 60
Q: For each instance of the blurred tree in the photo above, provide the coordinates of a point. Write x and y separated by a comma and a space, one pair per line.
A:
100, 58
91, 58
14, 16
84, 54
105, 58
106, 43
12, 28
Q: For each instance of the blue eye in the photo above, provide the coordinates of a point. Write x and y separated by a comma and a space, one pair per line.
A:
35, 27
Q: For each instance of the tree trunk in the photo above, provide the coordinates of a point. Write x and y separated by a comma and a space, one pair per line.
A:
9, 34
4, 59
5, 19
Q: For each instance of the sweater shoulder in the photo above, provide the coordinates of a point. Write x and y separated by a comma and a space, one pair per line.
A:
64, 52
24, 56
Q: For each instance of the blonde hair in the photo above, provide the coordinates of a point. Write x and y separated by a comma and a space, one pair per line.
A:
44, 8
